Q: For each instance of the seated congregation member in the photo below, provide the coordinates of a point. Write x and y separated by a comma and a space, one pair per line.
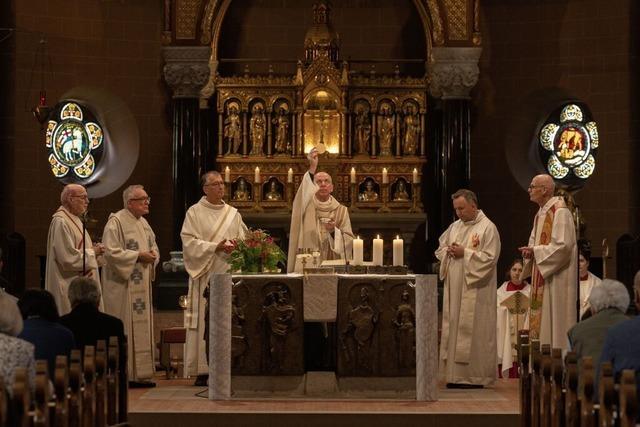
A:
14, 352
42, 327
622, 343
587, 281
508, 324
87, 323
608, 302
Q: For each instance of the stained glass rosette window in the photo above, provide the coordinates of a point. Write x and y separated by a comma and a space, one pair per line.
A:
568, 144
74, 141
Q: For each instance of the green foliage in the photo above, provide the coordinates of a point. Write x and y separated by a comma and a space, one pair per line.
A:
257, 252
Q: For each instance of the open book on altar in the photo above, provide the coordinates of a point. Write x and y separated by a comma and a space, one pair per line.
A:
516, 303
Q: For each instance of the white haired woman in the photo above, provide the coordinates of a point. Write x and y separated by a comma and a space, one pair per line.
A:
608, 303
14, 352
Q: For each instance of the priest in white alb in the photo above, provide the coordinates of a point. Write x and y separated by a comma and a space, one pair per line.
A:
551, 260
468, 252
131, 255
208, 227
318, 221
68, 254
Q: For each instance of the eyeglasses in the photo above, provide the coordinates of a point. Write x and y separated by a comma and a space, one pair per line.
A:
533, 187
85, 197
141, 199
214, 184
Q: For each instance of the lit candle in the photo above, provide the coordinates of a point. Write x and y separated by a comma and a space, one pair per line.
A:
227, 174
398, 251
377, 250
415, 176
353, 175
290, 176
385, 177
256, 177
358, 246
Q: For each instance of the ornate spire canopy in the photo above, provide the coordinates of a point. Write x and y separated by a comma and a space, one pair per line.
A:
321, 39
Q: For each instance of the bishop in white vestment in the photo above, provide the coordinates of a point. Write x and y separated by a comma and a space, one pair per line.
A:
318, 221
468, 253
207, 227
67, 252
551, 262
131, 255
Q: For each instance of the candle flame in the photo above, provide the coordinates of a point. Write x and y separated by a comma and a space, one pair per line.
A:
397, 237
378, 236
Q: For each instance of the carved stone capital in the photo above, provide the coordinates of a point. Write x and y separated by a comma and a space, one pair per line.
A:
453, 71
186, 69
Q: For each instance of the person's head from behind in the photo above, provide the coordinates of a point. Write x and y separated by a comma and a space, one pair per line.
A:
10, 318
636, 289
38, 303
609, 294
84, 290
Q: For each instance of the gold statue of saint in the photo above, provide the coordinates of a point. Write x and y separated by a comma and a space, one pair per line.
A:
258, 126
386, 125
369, 194
363, 131
411, 127
232, 129
282, 145
242, 191
400, 195
273, 194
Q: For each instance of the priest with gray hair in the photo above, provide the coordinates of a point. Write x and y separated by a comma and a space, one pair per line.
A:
131, 255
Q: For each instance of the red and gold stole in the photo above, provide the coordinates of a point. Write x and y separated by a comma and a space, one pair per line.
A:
537, 281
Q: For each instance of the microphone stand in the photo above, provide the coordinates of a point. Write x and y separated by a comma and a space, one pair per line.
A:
83, 219
344, 248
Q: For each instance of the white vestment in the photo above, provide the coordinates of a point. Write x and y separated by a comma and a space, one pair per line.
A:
65, 257
205, 226
307, 227
507, 327
468, 341
555, 262
585, 290
126, 286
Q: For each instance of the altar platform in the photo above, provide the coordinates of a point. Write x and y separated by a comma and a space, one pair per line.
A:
178, 403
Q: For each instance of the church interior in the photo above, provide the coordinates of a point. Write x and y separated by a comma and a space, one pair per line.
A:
406, 102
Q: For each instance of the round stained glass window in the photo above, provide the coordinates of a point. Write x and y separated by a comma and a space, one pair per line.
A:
74, 140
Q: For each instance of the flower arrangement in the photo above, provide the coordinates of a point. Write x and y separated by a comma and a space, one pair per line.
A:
257, 252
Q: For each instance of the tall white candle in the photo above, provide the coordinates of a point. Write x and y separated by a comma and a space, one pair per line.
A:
398, 251
227, 174
290, 176
415, 176
353, 176
358, 246
385, 176
378, 244
256, 176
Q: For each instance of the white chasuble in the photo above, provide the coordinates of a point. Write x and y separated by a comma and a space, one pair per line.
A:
65, 257
553, 270
307, 225
205, 226
126, 285
468, 341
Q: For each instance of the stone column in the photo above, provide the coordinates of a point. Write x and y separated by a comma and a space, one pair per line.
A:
186, 71
453, 73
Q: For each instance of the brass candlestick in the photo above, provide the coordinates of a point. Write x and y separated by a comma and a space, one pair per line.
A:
385, 198
415, 198
353, 190
257, 197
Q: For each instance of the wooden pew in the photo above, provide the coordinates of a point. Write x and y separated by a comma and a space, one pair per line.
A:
21, 400
587, 418
75, 387
61, 387
536, 381
41, 396
112, 379
123, 382
571, 406
525, 378
606, 396
628, 398
89, 392
545, 388
557, 396
101, 385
